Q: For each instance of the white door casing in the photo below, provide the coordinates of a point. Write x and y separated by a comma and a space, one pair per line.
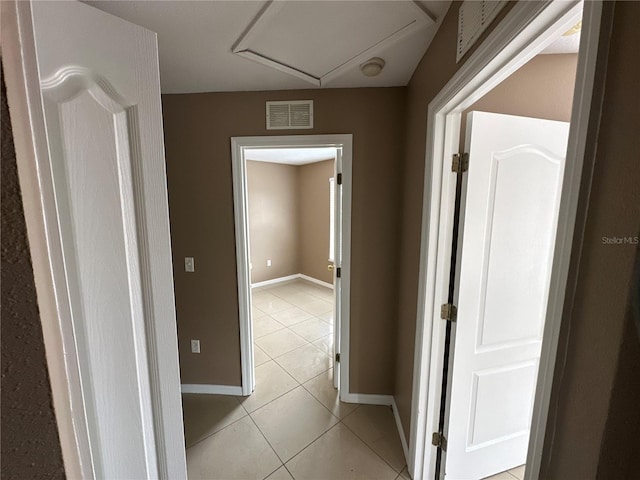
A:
91, 80
526, 30
344, 144
512, 199
337, 262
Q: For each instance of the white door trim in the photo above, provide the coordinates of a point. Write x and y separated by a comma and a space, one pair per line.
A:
241, 213
525, 30
44, 234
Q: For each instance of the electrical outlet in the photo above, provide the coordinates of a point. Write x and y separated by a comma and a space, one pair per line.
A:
195, 346
268, 263
189, 264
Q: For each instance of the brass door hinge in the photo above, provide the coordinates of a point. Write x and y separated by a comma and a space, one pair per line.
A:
448, 312
438, 440
460, 163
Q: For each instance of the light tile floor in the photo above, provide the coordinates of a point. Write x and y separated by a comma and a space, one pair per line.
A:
513, 474
293, 426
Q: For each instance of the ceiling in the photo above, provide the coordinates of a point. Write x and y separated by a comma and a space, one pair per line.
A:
215, 46
290, 156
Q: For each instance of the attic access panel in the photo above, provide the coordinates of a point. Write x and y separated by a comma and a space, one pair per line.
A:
317, 41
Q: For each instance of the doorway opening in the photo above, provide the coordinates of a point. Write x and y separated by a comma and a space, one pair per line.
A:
462, 410
293, 275
291, 260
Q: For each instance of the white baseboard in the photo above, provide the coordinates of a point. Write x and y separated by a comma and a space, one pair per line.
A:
273, 281
367, 399
288, 278
403, 438
316, 281
211, 389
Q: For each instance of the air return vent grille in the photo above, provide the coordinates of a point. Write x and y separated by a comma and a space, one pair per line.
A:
473, 18
290, 115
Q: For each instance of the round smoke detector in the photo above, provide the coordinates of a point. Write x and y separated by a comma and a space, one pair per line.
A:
372, 67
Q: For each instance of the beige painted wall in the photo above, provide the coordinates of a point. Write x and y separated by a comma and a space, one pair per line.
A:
274, 209
289, 219
198, 128
434, 70
542, 88
315, 219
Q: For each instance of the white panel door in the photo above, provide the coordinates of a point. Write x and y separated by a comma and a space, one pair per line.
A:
337, 260
509, 226
99, 84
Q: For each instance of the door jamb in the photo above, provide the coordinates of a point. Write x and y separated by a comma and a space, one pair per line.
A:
525, 31
241, 214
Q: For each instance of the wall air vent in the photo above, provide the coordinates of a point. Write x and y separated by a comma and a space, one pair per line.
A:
474, 17
292, 115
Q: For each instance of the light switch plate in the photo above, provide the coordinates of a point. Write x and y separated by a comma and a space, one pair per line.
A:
189, 264
195, 346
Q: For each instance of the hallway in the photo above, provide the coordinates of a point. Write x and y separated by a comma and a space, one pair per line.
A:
293, 425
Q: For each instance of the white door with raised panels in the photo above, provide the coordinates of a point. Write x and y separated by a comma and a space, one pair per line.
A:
104, 199
511, 209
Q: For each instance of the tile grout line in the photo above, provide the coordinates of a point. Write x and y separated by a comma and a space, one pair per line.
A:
268, 443
299, 384
310, 443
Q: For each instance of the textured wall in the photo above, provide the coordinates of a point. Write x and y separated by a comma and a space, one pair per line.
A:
30, 445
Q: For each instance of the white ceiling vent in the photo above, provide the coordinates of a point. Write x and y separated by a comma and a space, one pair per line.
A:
293, 115
473, 18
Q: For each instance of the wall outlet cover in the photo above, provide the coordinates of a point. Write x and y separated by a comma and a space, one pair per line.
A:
195, 346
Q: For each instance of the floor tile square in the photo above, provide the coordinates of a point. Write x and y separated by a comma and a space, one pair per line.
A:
261, 297
317, 307
376, 426
320, 292
305, 362
518, 472
265, 325
291, 316
271, 382
404, 474
256, 312
280, 342
325, 344
282, 290
206, 414
299, 298
259, 357
339, 454
280, 474
327, 317
239, 451
292, 422
312, 329
274, 306
321, 387
501, 476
